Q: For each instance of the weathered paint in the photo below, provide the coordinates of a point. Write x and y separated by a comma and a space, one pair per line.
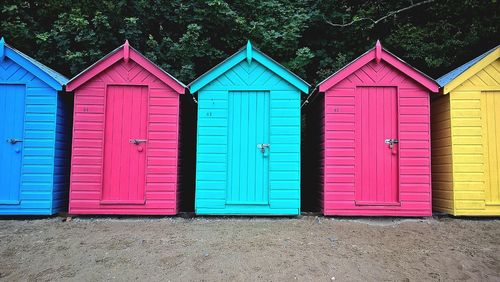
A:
118, 100
364, 104
465, 153
33, 173
247, 100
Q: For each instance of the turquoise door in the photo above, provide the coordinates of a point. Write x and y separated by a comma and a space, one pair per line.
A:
248, 148
11, 135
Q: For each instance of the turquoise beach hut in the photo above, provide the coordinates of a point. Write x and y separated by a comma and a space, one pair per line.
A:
248, 137
35, 136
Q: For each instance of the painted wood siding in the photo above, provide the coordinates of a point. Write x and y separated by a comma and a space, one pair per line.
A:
442, 163
468, 141
37, 172
88, 143
414, 146
212, 141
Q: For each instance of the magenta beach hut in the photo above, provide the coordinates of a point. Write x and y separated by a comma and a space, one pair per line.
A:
125, 137
371, 121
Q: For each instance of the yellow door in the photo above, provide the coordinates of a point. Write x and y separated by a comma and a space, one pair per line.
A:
491, 115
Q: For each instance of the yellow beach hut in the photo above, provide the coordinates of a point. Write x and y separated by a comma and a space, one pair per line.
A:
465, 130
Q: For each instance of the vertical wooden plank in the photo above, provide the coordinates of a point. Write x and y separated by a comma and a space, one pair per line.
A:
491, 127
238, 159
251, 148
230, 151
108, 139
386, 133
259, 160
379, 170
372, 142
132, 156
358, 147
495, 195
11, 126
394, 157
128, 123
125, 163
250, 122
365, 158
266, 124
245, 115
143, 134
380, 146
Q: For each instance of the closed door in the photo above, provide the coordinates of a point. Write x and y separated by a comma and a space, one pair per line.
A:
11, 141
248, 148
376, 146
125, 145
491, 114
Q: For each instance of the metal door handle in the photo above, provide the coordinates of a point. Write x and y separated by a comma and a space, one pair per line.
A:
13, 140
263, 147
391, 142
137, 141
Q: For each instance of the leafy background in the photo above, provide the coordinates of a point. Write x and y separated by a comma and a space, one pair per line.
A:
186, 38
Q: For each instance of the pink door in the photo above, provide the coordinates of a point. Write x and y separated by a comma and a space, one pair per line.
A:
376, 146
125, 146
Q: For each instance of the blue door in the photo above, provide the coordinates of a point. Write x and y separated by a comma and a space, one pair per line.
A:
248, 148
11, 137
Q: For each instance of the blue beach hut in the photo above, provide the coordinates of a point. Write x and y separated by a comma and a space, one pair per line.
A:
35, 134
248, 137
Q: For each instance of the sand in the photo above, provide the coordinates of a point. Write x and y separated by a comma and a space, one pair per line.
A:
270, 249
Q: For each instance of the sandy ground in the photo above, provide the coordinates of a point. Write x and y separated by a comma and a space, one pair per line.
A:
271, 249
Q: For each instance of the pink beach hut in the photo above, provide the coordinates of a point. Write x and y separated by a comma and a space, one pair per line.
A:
125, 137
371, 120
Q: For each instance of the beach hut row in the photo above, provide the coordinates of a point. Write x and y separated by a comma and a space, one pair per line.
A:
376, 138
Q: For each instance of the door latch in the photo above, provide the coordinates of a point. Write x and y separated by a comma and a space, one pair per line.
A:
263, 147
391, 142
13, 140
137, 141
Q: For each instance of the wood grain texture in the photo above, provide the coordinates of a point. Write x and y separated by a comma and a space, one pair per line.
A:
212, 172
442, 162
162, 128
344, 166
35, 115
473, 112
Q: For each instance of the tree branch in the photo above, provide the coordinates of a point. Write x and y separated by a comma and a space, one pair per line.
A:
390, 14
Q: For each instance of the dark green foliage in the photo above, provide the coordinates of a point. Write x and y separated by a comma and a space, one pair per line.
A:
189, 37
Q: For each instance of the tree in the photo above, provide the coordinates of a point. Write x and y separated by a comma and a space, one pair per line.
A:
312, 38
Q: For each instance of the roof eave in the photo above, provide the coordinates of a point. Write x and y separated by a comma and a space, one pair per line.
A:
15, 55
240, 55
387, 57
472, 70
114, 56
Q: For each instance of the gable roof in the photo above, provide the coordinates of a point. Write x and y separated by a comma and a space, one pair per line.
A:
459, 75
249, 53
378, 54
125, 52
41, 71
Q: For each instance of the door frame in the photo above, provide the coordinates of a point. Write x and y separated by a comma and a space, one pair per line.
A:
228, 174
112, 202
19, 83
357, 153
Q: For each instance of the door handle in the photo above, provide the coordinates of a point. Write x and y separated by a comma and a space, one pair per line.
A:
391, 142
13, 140
137, 141
263, 147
